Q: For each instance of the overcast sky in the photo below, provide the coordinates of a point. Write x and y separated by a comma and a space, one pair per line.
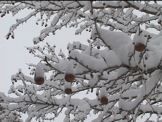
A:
13, 54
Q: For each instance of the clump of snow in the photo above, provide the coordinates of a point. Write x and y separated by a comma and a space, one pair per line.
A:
93, 80
113, 39
141, 37
119, 42
144, 91
67, 85
20, 88
112, 59
67, 119
90, 62
156, 41
39, 71
61, 54
153, 59
103, 92
80, 69
69, 68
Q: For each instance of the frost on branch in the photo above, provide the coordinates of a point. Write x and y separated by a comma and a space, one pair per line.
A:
120, 67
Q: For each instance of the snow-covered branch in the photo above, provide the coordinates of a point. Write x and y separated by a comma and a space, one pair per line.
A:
121, 65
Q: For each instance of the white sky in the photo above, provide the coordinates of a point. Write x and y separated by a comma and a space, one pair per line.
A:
13, 54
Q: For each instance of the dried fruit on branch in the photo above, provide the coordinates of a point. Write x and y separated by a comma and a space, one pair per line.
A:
69, 77
140, 47
39, 80
39, 74
104, 100
68, 91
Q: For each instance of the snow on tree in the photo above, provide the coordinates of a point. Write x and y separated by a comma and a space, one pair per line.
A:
121, 65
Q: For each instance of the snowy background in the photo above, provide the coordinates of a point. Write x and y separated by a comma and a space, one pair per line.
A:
13, 54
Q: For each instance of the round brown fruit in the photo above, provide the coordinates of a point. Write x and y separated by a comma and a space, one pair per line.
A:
68, 91
69, 77
39, 80
140, 47
104, 100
